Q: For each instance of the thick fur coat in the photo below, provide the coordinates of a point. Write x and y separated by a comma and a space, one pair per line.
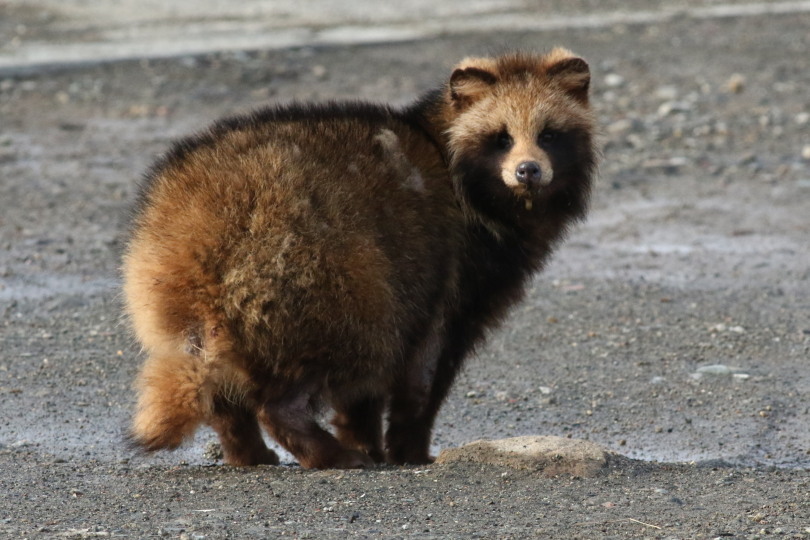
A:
350, 256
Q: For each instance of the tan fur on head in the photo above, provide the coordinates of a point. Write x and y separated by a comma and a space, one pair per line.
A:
527, 92
558, 54
496, 65
473, 76
571, 72
483, 63
521, 95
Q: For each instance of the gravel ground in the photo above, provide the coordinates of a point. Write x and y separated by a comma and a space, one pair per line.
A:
672, 328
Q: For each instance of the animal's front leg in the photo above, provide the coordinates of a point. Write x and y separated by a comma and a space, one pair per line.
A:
359, 426
407, 440
416, 401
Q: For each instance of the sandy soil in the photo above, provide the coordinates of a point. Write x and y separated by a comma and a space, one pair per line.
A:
672, 328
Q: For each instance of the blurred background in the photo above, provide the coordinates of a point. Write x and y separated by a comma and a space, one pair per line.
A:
36, 32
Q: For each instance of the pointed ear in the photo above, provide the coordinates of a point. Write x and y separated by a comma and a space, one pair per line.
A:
467, 84
572, 73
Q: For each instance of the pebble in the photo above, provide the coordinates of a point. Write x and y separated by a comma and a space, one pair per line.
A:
670, 107
189, 62
721, 370
668, 93
613, 80
625, 125
620, 126
725, 328
736, 83
320, 72
806, 152
213, 451
715, 369
669, 166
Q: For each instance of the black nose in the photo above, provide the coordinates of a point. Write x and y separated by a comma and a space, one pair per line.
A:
528, 173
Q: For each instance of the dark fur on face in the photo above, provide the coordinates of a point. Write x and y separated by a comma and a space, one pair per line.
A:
348, 255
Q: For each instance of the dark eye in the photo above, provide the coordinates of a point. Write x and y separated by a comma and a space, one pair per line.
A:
547, 136
504, 141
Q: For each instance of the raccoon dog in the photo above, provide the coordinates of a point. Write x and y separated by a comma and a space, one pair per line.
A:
348, 256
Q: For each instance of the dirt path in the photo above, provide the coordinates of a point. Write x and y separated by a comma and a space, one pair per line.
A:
674, 326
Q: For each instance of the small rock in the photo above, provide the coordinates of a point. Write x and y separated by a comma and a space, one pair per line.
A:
613, 80
720, 370
806, 152
620, 126
667, 165
658, 380
320, 72
213, 451
668, 93
670, 107
715, 369
735, 83
189, 62
802, 118
550, 455
626, 125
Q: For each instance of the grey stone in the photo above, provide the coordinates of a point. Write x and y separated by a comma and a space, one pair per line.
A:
550, 455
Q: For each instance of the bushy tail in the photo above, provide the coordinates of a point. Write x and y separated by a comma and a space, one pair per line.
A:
172, 401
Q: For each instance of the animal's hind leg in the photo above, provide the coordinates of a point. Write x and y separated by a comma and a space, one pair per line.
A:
359, 426
289, 418
240, 435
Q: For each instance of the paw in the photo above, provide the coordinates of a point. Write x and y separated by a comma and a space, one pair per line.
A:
353, 459
410, 458
376, 455
263, 456
342, 459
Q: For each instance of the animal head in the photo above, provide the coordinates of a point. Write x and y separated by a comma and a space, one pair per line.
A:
519, 132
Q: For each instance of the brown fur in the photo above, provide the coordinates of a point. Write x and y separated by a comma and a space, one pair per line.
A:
348, 255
